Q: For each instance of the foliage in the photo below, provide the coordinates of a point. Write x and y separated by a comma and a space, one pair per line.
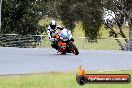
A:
122, 14
92, 18
20, 16
89, 12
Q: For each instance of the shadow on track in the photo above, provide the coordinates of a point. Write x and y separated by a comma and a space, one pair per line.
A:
62, 54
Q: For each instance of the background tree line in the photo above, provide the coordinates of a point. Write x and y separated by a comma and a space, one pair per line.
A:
22, 16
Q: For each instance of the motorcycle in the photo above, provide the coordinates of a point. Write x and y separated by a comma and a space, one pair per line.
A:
65, 43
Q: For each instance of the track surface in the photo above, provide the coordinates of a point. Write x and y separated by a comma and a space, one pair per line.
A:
35, 60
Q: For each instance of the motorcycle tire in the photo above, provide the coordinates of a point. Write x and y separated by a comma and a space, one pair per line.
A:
63, 53
74, 49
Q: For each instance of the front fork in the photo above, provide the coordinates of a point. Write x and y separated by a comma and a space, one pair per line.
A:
62, 47
71, 48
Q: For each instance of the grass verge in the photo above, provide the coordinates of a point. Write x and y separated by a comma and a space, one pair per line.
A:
55, 80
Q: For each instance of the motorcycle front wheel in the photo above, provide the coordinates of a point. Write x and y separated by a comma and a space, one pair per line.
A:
74, 49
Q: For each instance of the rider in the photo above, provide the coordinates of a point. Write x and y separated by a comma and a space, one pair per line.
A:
52, 30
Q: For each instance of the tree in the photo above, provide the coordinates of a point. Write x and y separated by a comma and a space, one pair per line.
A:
92, 18
128, 15
89, 12
121, 10
20, 16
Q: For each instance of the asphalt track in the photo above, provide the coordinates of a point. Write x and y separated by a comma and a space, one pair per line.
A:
39, 60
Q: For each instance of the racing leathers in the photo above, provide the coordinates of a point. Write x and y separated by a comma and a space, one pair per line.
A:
51, 33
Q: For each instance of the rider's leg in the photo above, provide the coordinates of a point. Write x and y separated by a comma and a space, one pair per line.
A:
54, 45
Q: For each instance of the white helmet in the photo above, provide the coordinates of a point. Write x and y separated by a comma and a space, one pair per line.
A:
53, 24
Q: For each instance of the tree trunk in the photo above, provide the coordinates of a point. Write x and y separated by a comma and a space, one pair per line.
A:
116, 38
130, 36
129, 19
128, 15
119, 42
123, 34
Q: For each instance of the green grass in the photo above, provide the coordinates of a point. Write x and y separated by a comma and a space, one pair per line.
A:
109, 43
55, 80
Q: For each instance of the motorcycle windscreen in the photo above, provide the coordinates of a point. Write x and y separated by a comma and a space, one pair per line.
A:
63, 35
66, 33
